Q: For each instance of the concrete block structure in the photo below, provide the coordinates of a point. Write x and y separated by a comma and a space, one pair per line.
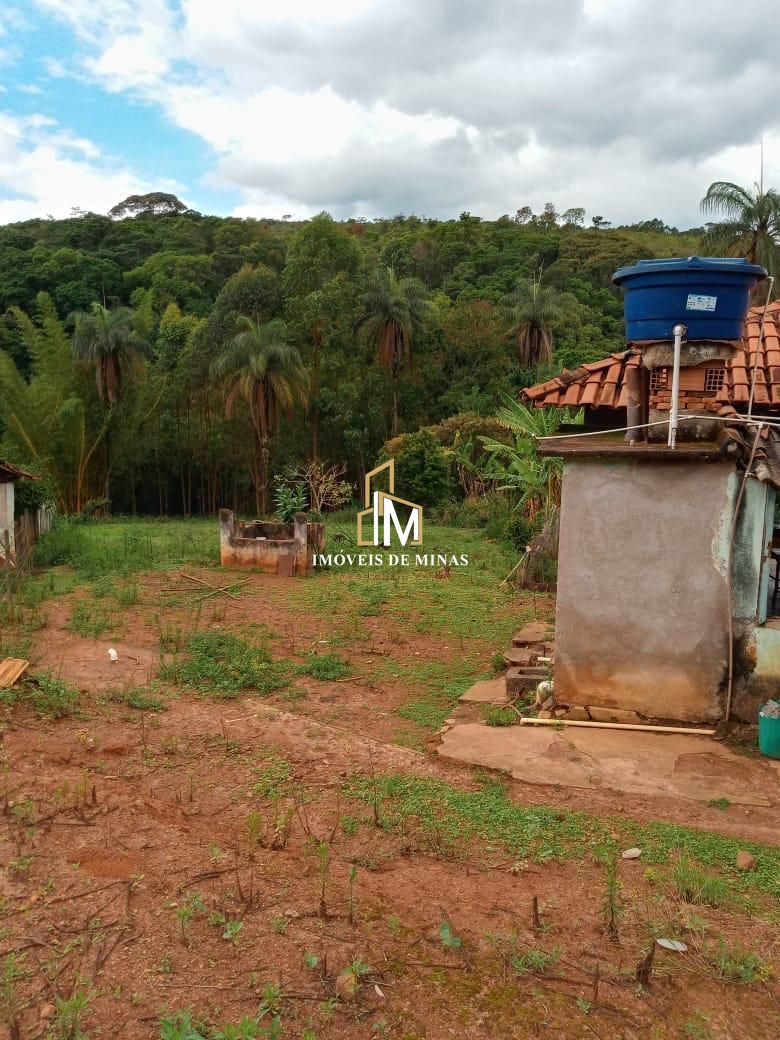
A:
284, 549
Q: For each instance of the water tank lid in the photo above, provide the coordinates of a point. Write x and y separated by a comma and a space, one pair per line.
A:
690, 264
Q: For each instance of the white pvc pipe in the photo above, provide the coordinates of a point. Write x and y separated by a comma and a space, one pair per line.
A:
679, 331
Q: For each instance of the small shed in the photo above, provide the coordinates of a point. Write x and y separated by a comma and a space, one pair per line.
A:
9, 474
668, 588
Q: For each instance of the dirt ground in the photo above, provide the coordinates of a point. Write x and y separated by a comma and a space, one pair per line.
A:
213, 856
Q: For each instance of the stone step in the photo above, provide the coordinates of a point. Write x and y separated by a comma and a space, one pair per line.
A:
520, 657
532, 633
488, 691
520, 680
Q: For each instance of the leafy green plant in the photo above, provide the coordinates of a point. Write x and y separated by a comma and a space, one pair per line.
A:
185, 911
289, 499
535, 959
66, 1024
423, 466
51, 697
325, 667
232, 930
225, 665
497, 716
89, 621
449, 940
739, 965
136, 697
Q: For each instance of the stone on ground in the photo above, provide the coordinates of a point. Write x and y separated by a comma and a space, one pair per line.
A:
745, 860
534, 632
488, 691
622, 715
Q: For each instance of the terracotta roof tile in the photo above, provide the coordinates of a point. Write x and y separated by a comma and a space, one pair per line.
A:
602, 384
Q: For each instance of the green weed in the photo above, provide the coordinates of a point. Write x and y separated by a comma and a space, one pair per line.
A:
539, 833
225, 665
90, 621
50, 697
325, 667
695, 886
136, 697
736, 964
496, 716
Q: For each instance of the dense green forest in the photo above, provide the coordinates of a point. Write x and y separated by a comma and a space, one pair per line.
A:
174, 362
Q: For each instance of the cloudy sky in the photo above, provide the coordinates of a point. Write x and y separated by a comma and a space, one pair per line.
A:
629, 108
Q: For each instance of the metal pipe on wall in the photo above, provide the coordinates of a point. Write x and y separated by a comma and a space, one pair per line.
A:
679, 331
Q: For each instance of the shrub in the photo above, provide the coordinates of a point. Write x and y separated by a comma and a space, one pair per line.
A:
289, 499
225, 665
423, 468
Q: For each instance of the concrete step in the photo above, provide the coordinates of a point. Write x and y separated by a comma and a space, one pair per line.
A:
520, 680
520, 657
531, 634
488, 691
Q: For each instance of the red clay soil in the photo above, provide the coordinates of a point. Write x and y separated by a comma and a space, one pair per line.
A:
113, 820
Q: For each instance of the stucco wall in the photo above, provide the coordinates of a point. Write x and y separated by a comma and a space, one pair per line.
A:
6, 514
642, 592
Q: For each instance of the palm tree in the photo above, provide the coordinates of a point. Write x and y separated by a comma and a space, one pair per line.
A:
533, 309
750, 224
261, 367
109, 340
393, 310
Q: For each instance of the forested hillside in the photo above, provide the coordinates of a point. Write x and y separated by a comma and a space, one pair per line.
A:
223, 349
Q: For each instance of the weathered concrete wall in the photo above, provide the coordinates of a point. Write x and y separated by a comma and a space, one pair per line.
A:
760, 679
6, 515
642, 590
284, 549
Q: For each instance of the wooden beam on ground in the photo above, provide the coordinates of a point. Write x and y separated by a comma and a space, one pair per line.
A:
11, 671
618, 725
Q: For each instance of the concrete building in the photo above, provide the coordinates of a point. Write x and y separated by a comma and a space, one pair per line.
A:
667, 562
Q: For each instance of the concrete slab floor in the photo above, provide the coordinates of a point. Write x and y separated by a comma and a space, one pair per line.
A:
672, 764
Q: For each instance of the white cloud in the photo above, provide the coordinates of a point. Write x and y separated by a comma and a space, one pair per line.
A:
48, 170
364, 107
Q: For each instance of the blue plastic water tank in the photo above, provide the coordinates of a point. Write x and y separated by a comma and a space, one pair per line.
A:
708, 294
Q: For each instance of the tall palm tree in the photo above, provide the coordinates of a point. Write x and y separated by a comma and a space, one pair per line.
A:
533, 309
109, 340
393, 310
750, 224
261, 367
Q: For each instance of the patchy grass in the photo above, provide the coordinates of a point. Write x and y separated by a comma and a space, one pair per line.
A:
90, 621
540, 833
438, 685
325, 667
735, 964
498, 716
49, 696
128, 547
136, 697
693, 885
223, 664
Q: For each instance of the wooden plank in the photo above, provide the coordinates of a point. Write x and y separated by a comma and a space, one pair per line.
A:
11, 671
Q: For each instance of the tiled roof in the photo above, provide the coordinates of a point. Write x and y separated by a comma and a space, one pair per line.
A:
9, 473
602, 384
